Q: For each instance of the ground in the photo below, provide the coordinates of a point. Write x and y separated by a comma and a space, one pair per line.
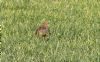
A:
74, 26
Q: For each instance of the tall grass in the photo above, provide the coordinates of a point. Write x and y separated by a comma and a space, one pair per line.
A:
74, 27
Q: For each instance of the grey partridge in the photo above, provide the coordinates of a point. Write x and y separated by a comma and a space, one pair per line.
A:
42, 30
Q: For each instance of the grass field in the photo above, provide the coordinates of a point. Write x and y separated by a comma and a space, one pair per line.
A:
74, 27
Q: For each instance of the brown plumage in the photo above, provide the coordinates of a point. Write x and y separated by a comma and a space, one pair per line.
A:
42, 30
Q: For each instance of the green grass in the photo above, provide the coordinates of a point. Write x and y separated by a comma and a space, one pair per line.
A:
74, 24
